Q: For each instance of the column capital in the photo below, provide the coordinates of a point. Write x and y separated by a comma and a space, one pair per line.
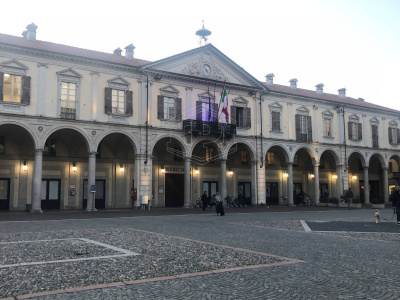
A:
365, 167
92, 153
316, 165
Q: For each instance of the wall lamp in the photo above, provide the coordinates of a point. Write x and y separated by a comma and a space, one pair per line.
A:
312, 175
162, 169
121, 168
334, 176
24, 167
74, 168
230, 172
353, 176
286, 174
196, 171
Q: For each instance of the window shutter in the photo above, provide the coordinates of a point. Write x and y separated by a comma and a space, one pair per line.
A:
349, 127
359, 131
216, 109
129, 103
375, 141
248, 117
26, 90
160, 107
309, 125
276, 121
199, 105
233, 115
178, 109
390, 135
297, 118
1, 85
107, 101
398, 136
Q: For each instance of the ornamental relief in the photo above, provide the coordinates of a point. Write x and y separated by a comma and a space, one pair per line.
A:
195, 69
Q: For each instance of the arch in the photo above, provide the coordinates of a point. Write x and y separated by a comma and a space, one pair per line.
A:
381, 159
248, 145
360, 155
101, 137
206, 142
285, 152
177, 137
65, 126
34, 138
309, 150
333, 152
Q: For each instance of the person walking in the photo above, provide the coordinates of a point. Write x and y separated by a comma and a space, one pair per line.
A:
218, 197
204, 200
396, 203
349, 196
213, 202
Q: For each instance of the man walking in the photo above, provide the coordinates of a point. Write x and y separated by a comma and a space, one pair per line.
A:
349, 196
204, 200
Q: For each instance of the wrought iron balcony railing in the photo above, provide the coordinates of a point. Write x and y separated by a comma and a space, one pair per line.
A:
198, 127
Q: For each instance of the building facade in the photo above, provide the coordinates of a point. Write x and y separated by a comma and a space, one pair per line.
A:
81, 129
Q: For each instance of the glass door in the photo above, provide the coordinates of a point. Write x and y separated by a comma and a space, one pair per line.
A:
50, 194
4, 193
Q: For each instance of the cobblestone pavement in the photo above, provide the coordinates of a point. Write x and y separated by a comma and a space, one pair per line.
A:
249, 254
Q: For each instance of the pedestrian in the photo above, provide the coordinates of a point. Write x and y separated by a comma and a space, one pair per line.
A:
204, 200
218, 197
396, 203
213, 202
349, 196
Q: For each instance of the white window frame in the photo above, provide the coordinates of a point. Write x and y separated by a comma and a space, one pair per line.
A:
69, 76
327, 118
276, 107
355, 120
119, 86
393, 132
241, 104
13, 68
374, 121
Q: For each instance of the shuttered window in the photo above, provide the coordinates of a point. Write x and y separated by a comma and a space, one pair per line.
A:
355, 131
394, 136
118, 102
276, 121
303, 128
375, 137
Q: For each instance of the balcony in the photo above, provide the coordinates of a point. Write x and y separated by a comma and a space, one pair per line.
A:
198, 127
68, 113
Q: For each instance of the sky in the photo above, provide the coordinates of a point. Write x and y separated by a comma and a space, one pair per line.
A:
352, 44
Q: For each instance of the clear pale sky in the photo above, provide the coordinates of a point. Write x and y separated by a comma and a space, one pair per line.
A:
351, 44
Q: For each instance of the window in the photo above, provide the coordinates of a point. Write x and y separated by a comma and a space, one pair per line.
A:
244, 155
303, 125
327, 122
354, 128
271, 158
276, 115
394, 133
12, 88
169, 108
241, 116
2, 145
14, 85
276, 121
209, 155
68, 93
68, 100
375, 136
50, 147
118, 97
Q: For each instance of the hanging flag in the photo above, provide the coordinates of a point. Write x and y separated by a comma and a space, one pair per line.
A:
224, 100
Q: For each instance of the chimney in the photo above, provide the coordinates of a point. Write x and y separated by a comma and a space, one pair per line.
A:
361, 99
293, 83
129, 51
320, 88
118, 51
30, 34
270, 79
342, 93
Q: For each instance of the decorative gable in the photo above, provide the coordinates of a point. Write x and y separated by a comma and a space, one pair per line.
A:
327, 113
275, 106
14, 67
374, 121
206, 96
240, 101
69, 75
354, 118
118, 83
303, 111
169, 91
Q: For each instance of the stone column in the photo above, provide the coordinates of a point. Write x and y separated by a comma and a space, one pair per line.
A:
339, 186
137, 181
290, 183
366, 186
91, 197
385, 184
37, 182
260, 187
253, 182
316, 183
222, 190
186, 188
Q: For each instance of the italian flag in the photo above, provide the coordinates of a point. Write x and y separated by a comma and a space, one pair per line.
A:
224, 100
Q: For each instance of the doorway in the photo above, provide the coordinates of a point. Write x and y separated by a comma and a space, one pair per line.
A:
271, 193
211, 188
4, 193
174, 190
100, 202
244, 191
50, 193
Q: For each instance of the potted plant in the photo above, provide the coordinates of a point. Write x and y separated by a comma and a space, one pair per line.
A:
323, 201
333, 202
356, 203
377, 203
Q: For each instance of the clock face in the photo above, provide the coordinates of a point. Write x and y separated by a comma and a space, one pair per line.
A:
206, 69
